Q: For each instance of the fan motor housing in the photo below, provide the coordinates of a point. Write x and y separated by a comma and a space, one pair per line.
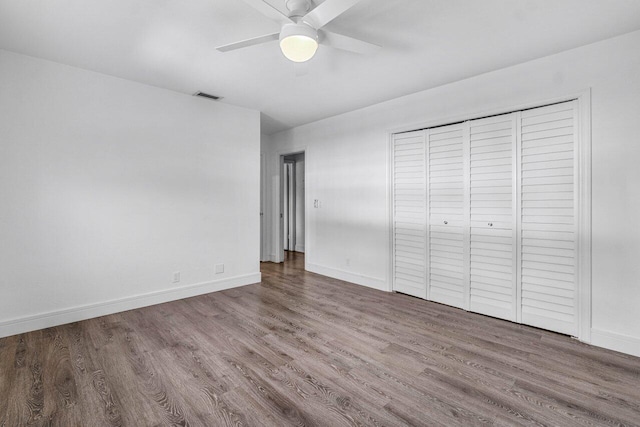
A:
299, 29
298, 8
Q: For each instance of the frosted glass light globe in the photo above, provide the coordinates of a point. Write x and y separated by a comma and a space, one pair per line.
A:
298, 42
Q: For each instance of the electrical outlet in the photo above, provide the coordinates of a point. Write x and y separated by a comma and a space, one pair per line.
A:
348, 262
176, 277
219, 268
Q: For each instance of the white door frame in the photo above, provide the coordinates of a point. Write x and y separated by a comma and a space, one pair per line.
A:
290, 209
278, 232
263, 189
583, 213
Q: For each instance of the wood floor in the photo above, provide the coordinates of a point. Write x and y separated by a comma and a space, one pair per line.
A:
302, 349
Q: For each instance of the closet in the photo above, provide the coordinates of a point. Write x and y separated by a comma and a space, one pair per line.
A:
484, 215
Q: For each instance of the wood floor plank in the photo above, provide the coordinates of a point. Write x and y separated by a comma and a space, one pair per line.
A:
28, 408
434, 407
108, 341
150, 381
352, 408
303, 349
98, 400
279, 404
60, 391
206, 384
7, 375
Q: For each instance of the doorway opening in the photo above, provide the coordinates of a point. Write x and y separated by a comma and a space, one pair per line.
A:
292, 206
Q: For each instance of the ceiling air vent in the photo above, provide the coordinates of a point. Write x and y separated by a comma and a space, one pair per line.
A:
207, 95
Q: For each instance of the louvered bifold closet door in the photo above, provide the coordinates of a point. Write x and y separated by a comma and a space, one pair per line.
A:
409, 214
493, 216
448, 247
548, 185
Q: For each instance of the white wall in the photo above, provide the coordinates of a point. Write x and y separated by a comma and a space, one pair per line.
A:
107, 187
347, 156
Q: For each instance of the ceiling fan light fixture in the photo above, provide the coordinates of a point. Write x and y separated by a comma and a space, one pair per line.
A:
298, 42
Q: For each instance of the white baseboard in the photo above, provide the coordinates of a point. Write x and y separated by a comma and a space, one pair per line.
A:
358, 279
617, 342
299, 248
61, 317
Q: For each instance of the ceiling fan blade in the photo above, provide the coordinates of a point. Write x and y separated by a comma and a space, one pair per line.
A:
327, 12
269, 11
249, 42
339, 41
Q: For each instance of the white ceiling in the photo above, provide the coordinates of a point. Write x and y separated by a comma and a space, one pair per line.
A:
426, 43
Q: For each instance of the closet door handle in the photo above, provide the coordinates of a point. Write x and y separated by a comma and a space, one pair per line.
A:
446, 222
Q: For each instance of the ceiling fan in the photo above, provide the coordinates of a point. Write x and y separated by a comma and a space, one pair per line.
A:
302, 29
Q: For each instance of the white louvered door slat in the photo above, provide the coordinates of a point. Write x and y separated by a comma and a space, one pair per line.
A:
492, 214
548, 220
409, 214
446, 217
